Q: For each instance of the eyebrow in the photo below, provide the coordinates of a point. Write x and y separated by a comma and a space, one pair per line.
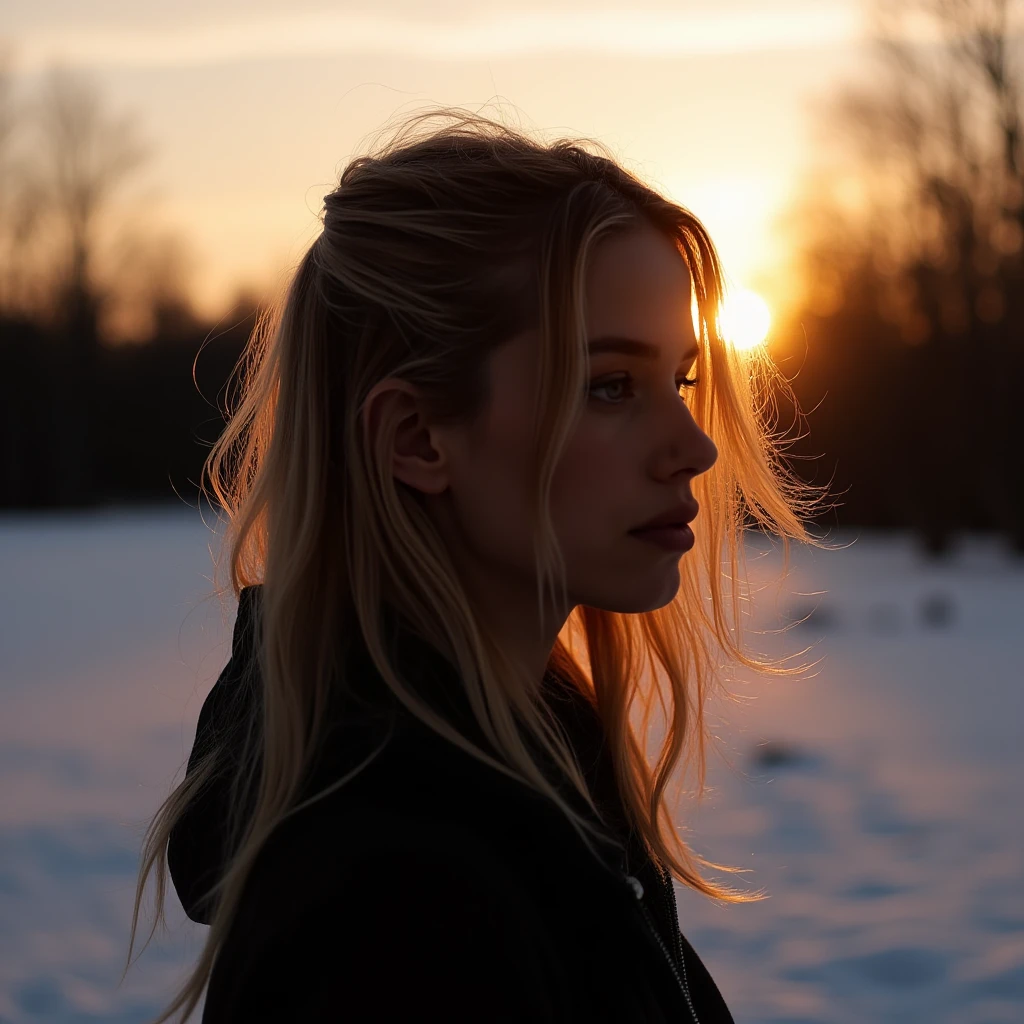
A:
633, 347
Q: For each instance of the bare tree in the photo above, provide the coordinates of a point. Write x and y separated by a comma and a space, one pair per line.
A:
933, 142
7, 119
979, 34
20, 199
941, 122
85, 156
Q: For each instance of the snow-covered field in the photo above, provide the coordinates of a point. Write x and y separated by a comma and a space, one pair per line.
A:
877, 799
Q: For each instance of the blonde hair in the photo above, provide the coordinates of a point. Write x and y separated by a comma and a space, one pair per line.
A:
442, 244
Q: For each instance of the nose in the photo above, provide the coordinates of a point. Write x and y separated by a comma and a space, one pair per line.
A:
691, 449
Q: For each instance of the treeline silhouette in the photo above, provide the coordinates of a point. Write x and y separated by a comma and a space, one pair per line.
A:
907, 344
904, 349
105, 395
118, 424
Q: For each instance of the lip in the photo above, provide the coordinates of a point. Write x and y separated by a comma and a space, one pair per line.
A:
679, 515
671, 538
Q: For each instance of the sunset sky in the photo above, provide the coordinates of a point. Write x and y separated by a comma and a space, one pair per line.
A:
252, 107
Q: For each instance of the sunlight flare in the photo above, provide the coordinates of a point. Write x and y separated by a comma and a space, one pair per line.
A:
745, 319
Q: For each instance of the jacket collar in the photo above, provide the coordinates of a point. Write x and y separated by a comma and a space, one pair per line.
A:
437, 682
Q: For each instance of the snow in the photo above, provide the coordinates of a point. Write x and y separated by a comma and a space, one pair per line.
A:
876, 798
891, 839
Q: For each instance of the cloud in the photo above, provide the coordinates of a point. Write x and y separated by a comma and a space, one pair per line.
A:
507, 34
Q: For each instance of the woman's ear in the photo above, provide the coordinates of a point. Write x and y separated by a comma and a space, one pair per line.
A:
418, 454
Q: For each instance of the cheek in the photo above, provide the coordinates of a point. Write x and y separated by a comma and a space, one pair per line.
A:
589, 493
491, 503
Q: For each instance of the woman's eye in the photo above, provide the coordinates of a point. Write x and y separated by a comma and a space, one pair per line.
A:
619, 382
626, 381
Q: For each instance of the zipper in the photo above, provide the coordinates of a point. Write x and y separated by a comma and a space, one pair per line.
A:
673, 910
638, 892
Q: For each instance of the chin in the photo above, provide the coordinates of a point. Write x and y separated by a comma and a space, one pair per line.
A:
637, 599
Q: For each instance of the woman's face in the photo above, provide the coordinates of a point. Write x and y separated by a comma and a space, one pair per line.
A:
633, 455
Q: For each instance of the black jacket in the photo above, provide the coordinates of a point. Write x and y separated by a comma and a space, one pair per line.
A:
432, 887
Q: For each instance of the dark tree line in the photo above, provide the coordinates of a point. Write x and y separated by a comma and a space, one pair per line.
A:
152, 411
909, 341
76, 409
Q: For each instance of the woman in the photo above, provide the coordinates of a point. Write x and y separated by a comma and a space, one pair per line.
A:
458, 484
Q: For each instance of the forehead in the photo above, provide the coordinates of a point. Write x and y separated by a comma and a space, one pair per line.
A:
638, 286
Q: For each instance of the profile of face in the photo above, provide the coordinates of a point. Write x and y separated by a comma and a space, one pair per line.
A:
633, 455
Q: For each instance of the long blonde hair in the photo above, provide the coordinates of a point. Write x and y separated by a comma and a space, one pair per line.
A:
443, 243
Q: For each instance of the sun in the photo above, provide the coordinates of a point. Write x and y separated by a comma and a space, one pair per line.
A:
744, 319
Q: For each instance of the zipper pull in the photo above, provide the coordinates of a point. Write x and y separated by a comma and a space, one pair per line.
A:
634, 884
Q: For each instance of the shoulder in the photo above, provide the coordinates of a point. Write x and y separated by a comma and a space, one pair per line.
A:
430, 886
400, 919
408, 790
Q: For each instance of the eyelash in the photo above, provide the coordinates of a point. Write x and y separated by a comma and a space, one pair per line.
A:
627, 379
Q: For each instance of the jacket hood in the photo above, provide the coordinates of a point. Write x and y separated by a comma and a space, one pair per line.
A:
369, 718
